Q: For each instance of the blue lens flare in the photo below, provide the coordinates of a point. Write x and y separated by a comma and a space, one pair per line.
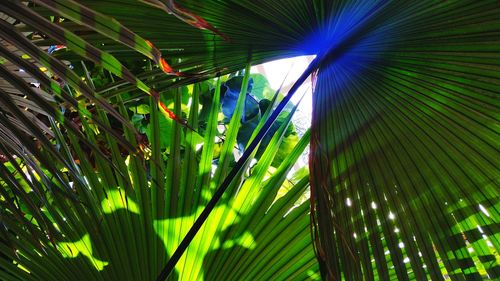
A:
353, 24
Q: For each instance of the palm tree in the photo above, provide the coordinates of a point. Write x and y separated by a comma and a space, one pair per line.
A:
403, 154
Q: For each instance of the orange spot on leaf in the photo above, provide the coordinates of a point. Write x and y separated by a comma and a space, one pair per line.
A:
166, 67
169, 112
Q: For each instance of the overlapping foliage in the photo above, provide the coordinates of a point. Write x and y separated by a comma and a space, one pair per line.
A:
85, 195
404, 150
123, 213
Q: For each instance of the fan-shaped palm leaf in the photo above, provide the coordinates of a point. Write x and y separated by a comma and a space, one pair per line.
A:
405, 178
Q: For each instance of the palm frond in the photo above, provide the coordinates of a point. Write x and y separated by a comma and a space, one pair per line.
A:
404, 151
403, 146
132, 215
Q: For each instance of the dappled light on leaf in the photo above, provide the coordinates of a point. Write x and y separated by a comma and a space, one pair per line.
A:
116, 200
139, 141
81, 247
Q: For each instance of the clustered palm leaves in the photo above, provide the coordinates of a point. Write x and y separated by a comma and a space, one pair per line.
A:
403, 175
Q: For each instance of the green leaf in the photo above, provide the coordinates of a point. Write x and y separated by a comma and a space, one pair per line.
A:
140, 109
404, 176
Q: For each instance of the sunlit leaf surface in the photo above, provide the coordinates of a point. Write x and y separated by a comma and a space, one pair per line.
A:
404, 141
